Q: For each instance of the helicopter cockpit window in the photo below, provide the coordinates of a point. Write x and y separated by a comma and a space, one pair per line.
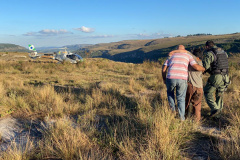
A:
72, 57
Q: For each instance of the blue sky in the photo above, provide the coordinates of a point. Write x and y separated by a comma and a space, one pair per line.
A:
65, 22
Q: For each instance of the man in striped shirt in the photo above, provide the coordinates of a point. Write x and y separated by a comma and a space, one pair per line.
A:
176, 67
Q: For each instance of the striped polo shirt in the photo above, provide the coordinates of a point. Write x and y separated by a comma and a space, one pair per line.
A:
178, 65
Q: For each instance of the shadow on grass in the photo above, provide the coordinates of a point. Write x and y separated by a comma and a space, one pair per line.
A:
203, 146
69, 89
221, 122
157, 100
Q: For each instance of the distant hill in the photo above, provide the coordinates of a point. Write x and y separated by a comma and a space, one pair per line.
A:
70, 48
5, 47
137, 51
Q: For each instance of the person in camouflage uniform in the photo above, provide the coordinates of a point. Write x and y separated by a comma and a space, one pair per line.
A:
215, 61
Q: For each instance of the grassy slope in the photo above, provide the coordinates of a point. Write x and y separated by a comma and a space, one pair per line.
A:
120, 111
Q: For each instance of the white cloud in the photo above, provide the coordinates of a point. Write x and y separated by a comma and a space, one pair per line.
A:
47, 32
30, 34
101, 36
53, 31
151, 36
142, 35
85, 29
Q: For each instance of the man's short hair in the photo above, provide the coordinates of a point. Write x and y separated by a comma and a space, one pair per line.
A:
198, 53
181, 47
210, 43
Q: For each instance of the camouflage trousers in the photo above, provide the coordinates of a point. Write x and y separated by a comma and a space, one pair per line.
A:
216, 84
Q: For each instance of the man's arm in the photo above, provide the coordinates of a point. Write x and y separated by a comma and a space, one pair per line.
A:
195, 65
164, 73
198, 67
208, 58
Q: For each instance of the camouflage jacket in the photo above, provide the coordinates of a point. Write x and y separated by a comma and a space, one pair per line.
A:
208, 59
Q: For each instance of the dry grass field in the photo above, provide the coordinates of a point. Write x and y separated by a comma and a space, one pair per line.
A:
100, 109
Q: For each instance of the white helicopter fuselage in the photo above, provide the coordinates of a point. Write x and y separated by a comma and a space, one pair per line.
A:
60, 56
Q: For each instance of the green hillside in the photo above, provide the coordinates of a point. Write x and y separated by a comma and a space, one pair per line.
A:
137, 51
5, 47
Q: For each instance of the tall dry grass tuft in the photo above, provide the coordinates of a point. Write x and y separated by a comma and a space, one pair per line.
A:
230, 148
2, 90
48, 101
37, 102
151, 67
41, 100
144, 109
66, 141
3, 108
19, 151
135, 86
166, 136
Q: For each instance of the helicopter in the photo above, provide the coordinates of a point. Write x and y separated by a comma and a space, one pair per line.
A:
61, 56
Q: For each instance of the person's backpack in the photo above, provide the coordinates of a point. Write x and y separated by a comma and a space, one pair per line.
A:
220, 63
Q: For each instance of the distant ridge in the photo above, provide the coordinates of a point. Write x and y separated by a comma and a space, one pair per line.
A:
6, 47
137, 51
70, 48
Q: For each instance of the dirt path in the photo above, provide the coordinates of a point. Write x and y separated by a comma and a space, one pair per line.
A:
205, 140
